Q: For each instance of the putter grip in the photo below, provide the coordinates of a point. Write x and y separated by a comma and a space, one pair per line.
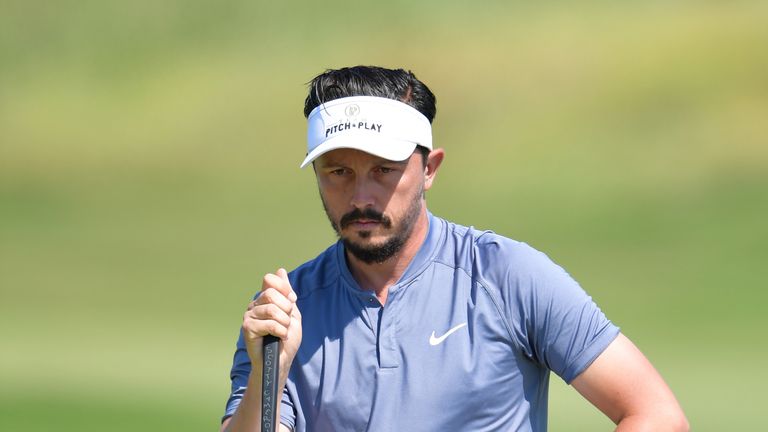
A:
270, 370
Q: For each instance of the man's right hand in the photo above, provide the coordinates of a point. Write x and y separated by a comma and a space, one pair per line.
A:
273, 312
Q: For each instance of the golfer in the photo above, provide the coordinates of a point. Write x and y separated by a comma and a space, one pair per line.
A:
411, 322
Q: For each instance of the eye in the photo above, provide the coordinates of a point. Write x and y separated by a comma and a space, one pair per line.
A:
338, 172
385, 170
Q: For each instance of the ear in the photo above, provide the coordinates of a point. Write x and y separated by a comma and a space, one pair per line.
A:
434, 160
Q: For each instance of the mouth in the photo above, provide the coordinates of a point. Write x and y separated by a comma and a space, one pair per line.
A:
364, 224
363, 220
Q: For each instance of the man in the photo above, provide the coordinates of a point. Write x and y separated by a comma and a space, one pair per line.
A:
413, 323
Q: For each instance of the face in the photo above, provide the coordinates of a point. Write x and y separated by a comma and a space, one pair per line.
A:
372, 203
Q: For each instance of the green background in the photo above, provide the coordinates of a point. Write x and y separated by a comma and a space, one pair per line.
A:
149, 177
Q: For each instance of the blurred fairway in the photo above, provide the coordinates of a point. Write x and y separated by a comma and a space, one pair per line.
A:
149, 177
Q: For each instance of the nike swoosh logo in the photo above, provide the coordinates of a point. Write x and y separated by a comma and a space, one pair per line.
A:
438, 340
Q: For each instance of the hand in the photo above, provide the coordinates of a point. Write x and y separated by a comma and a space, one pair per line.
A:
273, 312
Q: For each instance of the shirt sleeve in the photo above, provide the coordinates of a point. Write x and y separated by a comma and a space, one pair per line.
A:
241, 370
552, 319
287, 410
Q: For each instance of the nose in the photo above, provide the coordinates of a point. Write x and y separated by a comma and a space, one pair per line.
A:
363, 193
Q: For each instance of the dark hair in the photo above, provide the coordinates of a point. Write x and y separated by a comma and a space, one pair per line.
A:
397, 84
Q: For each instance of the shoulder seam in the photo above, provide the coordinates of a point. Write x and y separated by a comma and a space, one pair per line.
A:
484, 284
308, 293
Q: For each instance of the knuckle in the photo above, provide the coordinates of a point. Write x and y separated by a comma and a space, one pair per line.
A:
275, 328
248, 329
273, 296
280, 316
270, 280
272, 311
287, 286
276, 282
267, 295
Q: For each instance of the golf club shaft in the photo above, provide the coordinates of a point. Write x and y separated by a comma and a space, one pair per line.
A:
270, 370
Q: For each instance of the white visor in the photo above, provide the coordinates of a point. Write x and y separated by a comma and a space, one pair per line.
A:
383, 127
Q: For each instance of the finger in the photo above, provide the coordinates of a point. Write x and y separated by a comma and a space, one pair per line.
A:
283, 274
276, 282
272, 296
270, 312
260, 328
277, 329
295, 321
296, 314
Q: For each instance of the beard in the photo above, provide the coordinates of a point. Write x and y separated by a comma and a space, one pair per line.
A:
377, 253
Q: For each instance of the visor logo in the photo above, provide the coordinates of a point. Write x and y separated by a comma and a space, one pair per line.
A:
352, 110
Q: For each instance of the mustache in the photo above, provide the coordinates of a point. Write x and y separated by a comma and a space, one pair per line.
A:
368, 213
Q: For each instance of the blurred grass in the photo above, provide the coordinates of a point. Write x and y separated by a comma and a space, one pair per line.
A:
148, 178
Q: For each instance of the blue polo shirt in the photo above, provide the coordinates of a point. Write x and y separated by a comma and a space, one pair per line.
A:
465, 342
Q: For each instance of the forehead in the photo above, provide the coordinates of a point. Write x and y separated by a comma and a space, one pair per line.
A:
346, 156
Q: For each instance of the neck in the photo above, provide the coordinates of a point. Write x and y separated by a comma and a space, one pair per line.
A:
378, 277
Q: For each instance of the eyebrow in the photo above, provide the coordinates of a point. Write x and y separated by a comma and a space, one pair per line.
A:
324, 163
382, 161
379, 161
